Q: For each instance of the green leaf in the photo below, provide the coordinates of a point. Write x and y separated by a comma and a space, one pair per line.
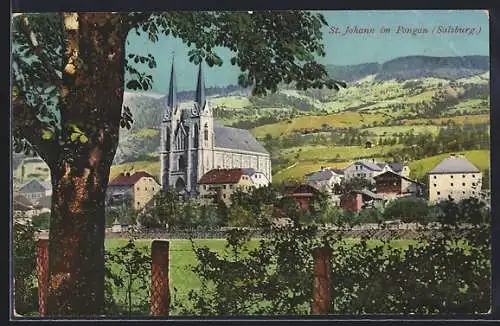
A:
84, 139
47, 135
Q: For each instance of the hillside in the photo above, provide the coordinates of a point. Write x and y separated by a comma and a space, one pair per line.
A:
413, 67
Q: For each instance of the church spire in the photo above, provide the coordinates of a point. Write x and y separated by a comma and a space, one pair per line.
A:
172, 91
200, 88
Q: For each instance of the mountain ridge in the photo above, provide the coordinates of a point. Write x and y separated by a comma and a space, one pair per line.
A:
412, 67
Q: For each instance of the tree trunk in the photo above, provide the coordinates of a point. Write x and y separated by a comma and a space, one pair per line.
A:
77, 241
91, 101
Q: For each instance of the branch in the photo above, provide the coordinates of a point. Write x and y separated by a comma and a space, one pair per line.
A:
31, 128
37, 48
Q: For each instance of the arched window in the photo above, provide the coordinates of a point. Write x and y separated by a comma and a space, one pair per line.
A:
196, 136
167, 141
205, 132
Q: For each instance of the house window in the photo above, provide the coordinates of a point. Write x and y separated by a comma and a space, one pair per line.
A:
451, 184
224, 195
473, 192
435, 185
434, 177
463, 175
137, 189
146, 189
225, 186
473, 175
473, 184
138, 203
451, 176
463, 192
463, 184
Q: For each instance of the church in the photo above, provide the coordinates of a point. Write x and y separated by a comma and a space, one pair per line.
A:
192, 143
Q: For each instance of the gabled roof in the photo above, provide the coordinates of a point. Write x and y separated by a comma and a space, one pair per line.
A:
234, 138
396, 167
39, 185
398, 175
367, 193
324, 175
381, 165
370, 165
249, 171
222, 176
454, 164
129, 179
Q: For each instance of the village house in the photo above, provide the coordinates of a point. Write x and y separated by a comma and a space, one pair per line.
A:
134, 190
258, 178
302, 194
220, 184
368, 169
454, 177
356, 200
35, 190
24, 208
325, 179
392, 185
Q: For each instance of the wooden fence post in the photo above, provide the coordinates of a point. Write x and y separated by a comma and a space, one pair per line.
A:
42, 269
322, 286
159, 274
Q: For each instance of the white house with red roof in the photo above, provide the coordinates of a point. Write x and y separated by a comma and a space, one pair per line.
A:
135, 190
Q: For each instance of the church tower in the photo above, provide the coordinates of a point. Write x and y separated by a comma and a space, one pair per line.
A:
166, 139
205, 122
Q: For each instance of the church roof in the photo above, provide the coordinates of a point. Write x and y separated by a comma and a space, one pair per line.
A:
454, 164
239, 139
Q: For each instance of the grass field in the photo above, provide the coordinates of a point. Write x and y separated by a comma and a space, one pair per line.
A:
480, 158
298, 171
417, 129
345, 153
336, 120
152, 167
462, 119
231, 102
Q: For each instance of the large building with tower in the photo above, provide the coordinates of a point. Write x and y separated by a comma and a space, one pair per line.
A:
192, 143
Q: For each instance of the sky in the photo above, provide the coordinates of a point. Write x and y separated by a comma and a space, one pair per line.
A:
342, 48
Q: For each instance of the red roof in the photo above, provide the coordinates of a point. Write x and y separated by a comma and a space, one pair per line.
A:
129, 179
220, 176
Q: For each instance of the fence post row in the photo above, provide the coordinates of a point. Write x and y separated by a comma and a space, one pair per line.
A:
322, 284
42, 270
159, 281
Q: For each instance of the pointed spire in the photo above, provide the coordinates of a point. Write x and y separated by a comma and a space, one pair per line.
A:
200, 88
172, 91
